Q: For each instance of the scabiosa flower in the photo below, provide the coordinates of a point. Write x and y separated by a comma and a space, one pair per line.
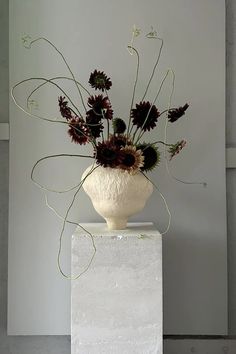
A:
78, 131
119, 126
132, 159
151, 156
108, 155
99, 81
175, 114
94, 124
101, 106
64, 109
174, 149
120, 140
145, 115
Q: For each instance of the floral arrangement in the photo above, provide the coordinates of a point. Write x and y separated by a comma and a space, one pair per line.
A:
122, 148
116, 143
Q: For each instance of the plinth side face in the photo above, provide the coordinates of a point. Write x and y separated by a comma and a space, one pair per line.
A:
117, 303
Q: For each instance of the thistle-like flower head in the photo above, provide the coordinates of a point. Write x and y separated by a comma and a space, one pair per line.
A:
107, 154
101, 106
119, 140
175, 149
64, 109
94, 123
175, 114
119, 126
99, 80
151, 156
145, 115
78, 131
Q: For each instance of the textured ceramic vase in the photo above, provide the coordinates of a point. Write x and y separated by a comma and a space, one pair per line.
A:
116, 194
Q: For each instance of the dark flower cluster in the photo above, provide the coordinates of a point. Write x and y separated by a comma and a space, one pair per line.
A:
176, 113
99, 81
64, 109
119, 148
145, 115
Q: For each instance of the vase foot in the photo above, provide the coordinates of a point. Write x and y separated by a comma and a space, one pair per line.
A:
116, 224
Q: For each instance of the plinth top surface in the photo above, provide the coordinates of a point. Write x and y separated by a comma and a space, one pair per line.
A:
133, 229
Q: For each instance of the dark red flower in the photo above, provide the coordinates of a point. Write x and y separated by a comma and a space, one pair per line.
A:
99, 80
175, 114
119, 141
64, 109
108, 155
145, 115
101, 106
94, 124
78, 131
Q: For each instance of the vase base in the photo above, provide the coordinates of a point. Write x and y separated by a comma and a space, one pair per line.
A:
116, 224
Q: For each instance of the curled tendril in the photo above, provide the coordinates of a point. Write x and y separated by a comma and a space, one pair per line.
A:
165, 202
135, 33
26, 41
65, 218
152, 34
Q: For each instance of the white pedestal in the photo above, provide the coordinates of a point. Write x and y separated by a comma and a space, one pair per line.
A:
117, 303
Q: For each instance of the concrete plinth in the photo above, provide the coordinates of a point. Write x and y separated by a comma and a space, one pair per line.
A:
117, 303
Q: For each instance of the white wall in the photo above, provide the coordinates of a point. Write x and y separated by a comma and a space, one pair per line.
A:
60, 345
194, 48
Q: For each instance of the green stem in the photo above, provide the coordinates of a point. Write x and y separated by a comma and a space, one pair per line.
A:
50, 157
46, 81
154, 68
63, 58
154, 101
135, 133
134, 89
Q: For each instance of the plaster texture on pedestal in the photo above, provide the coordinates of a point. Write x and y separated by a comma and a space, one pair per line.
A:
117, 303
116, 194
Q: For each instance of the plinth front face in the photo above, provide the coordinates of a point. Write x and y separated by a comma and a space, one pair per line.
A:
117, 303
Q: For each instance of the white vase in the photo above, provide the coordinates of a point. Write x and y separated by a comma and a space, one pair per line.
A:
116, 194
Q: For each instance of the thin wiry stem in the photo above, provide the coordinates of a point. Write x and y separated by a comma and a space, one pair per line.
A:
46, 81
50, 157
135, 84
63, 229
161, 142
165, 202
204, 184
154, 68
62, 56
30, 114
53, 120
154, 101
57, 78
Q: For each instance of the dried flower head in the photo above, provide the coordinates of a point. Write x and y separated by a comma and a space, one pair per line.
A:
175, 114
64, 109
107, 154
78, 131
101, 106
119, 126
94, 124
176, 148
120, 140
99, 80
145, 115
132, 159
151, 156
